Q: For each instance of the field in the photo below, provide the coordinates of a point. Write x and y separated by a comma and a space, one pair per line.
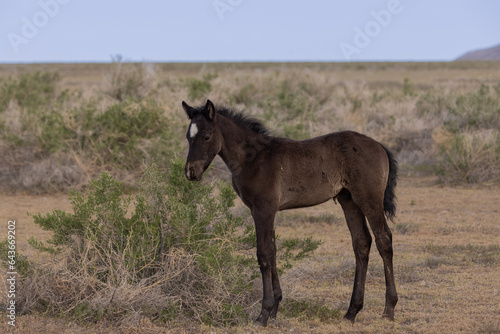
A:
441, 120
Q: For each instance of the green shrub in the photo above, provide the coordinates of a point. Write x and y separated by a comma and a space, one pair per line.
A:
294, 249
307, 309
408, 89
475, 110
200, 88
121, 133
125, 134
245, 95
31, 91
293, 101
470, 157
178, 251
432, 104
290, 105
37, 110
179, 237
42, 128
53, 132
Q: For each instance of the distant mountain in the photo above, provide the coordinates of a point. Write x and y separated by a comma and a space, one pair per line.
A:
492, 53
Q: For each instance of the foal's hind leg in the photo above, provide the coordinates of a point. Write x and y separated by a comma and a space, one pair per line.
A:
361, 242
383, 240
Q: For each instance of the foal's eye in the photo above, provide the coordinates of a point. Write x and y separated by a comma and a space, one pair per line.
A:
207, 137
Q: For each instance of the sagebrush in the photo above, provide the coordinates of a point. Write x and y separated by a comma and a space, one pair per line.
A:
177, 253
54, 140
58, 132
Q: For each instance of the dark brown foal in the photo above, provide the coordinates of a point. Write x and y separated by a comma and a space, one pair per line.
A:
271, 174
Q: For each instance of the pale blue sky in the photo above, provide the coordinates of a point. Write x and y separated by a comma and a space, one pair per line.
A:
245, 30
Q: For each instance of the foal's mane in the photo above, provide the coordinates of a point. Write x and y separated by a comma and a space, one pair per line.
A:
248, 122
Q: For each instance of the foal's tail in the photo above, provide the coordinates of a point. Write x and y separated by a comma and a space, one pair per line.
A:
392, 180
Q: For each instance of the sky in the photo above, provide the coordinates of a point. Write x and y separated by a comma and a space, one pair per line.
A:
245, 30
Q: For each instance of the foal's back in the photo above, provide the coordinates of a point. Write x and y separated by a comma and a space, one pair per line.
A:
312, 171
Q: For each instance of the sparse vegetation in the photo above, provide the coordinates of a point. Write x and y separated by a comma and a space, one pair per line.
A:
305, 309
199, 88
62, 125
129, 80
57, 140
178, 254
470, 157
406, 227
133, 115
463, 254
30, 91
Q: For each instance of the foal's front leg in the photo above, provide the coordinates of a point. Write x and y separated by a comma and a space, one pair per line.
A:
276, 282
266, 256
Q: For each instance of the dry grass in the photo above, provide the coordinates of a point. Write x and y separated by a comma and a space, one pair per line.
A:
446, 267
414, 108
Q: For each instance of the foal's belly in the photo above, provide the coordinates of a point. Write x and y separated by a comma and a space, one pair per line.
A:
304, 195
295, 204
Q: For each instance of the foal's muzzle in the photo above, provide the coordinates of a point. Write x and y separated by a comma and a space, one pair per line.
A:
194, 170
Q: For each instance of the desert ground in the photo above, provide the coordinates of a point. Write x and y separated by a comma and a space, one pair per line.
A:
446, 254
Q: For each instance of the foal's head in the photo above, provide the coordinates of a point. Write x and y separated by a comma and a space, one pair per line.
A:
204, 139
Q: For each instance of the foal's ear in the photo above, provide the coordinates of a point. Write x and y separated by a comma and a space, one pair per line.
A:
188, 109
210, 110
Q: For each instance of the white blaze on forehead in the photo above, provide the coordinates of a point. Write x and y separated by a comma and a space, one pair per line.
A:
193, 130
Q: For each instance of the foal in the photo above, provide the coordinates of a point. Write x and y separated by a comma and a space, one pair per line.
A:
270, 174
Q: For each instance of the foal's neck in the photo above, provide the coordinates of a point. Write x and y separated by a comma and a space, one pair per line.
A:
240, 145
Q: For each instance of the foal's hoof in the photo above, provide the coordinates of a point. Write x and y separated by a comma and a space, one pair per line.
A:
274, 311
262, 319
389, 316
350, 318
